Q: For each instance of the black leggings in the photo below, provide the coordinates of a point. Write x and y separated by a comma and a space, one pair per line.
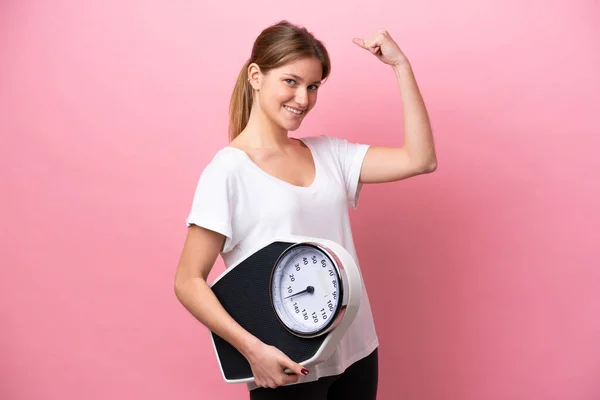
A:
357, 382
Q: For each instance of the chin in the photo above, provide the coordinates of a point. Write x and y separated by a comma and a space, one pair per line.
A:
289, 125
292, 128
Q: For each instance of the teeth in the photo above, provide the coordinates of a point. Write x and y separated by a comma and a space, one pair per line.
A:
297, 112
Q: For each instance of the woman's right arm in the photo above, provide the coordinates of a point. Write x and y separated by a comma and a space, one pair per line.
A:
200, 251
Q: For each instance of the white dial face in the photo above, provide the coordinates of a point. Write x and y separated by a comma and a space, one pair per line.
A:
306, 290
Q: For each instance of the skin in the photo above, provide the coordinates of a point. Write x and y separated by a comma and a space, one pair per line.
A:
265, 139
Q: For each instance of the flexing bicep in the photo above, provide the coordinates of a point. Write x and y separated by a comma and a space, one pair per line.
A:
389, 164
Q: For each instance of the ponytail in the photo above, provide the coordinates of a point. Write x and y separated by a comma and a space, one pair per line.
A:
240, 104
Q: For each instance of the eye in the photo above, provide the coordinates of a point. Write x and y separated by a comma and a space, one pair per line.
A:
290, 81
312, 88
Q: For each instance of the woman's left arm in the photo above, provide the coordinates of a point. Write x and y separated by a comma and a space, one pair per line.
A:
417, 155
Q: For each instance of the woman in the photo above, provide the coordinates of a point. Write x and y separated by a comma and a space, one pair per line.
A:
265, 184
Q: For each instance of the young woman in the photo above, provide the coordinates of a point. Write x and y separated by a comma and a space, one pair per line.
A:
266, 184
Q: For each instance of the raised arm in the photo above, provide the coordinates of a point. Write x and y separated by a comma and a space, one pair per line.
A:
417, 155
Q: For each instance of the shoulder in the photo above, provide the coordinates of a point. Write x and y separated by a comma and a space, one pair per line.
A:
320, 142
333, 144
225, 163
325, 140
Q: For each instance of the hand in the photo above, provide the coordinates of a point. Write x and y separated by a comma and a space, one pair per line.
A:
383, 47
269, 364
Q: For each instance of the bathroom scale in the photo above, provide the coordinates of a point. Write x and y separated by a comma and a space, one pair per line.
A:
299, 294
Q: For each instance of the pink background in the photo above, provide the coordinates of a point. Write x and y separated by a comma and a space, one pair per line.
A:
484, 276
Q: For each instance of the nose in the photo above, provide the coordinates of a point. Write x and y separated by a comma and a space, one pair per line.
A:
302, 97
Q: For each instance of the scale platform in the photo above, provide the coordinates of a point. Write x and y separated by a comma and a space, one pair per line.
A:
243, 290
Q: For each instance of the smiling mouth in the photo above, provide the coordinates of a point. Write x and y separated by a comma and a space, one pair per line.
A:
294, 110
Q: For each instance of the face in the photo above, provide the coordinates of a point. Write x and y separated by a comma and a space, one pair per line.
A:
286, 94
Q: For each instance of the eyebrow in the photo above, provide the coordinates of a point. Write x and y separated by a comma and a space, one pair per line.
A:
296, 77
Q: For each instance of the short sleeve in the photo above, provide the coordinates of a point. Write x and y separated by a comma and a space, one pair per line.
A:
212, 203
350, 157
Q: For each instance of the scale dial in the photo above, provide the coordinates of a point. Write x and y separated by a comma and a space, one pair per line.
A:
307, 289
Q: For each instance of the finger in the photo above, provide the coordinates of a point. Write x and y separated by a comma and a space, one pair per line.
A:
359, 42
366, 44
373, 45
376, 42
294, 368
287, 379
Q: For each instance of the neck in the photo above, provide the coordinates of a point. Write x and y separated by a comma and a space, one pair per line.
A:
261, 132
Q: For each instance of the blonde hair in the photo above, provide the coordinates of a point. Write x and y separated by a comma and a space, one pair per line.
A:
276, 45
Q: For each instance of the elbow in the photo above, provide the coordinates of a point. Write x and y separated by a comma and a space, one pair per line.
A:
431, 167
178, 289
181, 287
424, 162
186, 284
428, 167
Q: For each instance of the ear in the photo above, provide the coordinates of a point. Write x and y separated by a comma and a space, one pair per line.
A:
255, 76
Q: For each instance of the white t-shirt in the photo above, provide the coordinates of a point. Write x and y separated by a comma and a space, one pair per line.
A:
250, 207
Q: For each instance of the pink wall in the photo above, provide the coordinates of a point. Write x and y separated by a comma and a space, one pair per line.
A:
484, 276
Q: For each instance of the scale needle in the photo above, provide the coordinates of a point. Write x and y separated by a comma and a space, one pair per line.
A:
309, 289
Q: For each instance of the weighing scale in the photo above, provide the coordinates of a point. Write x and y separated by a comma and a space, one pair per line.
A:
299, 294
